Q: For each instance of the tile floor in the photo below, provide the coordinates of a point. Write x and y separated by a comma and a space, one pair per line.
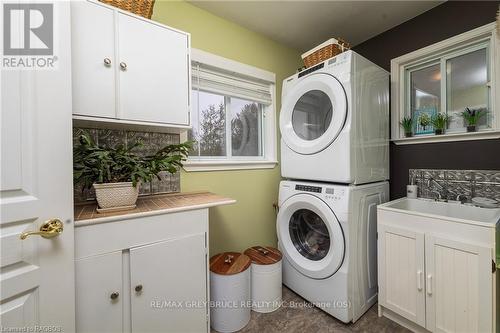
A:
305, 320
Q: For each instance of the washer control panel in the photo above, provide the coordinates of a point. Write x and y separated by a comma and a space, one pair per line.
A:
334, 194
308, 188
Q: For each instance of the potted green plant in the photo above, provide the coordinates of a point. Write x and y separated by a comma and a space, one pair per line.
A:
407, 124
439, 122
471, 118
116, 173
424, 120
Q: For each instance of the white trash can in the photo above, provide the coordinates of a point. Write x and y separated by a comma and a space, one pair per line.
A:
230, 304
266, 290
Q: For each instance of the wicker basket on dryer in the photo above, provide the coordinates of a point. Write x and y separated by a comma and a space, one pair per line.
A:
142, 8
324, 51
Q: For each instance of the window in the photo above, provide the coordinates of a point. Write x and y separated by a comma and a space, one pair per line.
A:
447, 78
232, 115
465, 85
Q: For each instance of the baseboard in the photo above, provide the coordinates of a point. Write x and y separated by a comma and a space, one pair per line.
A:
400, 320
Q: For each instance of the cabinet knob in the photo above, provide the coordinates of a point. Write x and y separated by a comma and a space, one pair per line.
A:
138, 288
123, 66
114, 295
107, 62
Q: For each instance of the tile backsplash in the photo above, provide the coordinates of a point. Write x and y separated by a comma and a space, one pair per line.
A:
471, 183
152, 142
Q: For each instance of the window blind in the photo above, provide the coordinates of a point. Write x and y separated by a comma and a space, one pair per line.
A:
220, 81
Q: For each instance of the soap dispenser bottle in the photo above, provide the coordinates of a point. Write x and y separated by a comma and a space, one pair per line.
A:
412, 189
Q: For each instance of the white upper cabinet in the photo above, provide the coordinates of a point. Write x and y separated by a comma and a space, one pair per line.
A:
128, 69
154, 66
93, 54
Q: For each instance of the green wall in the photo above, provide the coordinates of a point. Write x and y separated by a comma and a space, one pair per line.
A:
252, 219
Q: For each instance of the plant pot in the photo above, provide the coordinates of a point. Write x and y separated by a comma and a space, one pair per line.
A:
408, 134
471, 128
439, 131
116, 196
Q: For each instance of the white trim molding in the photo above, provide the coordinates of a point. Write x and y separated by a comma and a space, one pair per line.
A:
269, 137
488, 34
227, 165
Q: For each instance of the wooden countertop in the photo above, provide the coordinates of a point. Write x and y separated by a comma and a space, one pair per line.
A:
86, 213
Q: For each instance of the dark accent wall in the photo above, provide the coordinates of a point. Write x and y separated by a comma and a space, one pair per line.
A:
446, 20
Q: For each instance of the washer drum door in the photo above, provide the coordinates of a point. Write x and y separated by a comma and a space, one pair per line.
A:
313, 113
311, 237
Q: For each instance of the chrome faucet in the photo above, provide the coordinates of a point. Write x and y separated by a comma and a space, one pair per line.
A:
438, 195
441, 190
462, 198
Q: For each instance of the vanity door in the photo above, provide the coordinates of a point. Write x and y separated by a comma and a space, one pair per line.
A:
459, 285
99, 294
169, 286
401, 272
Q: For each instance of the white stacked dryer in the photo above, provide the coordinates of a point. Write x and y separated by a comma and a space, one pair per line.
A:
334, 124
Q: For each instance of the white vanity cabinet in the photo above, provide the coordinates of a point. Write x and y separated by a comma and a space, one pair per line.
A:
128, 69
143, 274
434, 274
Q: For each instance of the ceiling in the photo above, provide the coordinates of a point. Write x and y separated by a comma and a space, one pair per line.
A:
305, 24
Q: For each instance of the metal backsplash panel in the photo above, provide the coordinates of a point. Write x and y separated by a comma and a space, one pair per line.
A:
471, 183
152, 142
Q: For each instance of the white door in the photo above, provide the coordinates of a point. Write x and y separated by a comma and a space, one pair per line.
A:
37, 274
169, 286
310, 236
94, 62
99, 293
459, 284
154, 72
401, 272
313, 113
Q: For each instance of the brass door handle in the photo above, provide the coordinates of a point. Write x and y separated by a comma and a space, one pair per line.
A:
51, 228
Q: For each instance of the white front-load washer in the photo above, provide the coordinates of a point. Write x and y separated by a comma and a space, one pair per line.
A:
328, 236
334, 122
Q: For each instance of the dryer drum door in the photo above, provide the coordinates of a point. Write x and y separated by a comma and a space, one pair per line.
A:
310, 235
313, 113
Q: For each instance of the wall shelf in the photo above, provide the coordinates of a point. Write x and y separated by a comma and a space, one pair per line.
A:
451, 137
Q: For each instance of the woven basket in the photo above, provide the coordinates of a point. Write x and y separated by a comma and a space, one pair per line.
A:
327, 50
143, 8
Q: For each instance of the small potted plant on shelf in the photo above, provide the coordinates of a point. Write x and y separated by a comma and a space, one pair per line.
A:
424, 120
116, 173
407, 124
439, 122
471, 117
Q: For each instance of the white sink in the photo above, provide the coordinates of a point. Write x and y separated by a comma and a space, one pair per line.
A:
445, 210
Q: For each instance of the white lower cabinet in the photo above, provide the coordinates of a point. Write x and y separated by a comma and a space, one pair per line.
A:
100, 291
459, 286
436, 278
401, 283
146, 274
166, 293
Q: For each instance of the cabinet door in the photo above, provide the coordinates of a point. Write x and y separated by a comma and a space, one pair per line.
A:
93, 59
97, 308
169, 286
154, 86
401, 272
459, 286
